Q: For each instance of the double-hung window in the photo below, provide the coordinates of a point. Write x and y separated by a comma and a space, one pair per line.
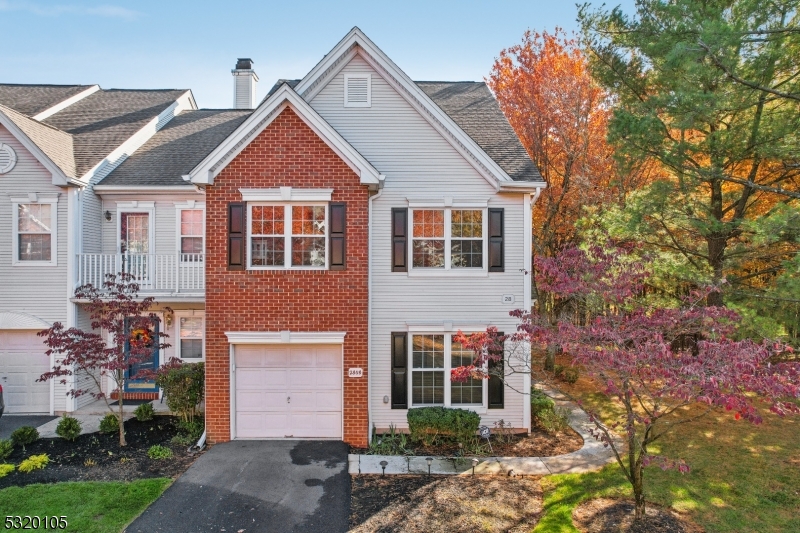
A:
34, 231
432, 358
190, 335
448, 239
288, 236
191, 236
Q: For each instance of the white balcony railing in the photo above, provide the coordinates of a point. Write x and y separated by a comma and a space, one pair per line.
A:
172, 274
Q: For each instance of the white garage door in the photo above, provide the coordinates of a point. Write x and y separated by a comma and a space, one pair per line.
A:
288, 391
22, 361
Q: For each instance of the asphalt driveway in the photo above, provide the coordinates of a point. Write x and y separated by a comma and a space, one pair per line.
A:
257, 486
9, 423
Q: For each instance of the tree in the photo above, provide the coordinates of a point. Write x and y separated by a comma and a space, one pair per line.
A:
709, 90
654, 361
116, 311
561, 115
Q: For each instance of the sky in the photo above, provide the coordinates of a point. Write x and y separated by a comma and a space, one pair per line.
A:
150, 44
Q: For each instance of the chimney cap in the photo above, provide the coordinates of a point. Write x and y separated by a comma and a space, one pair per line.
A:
244, 63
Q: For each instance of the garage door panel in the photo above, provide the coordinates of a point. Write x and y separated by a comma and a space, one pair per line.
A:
329, 379
328, 401
261, 425
302, 357
22, 361
327, 358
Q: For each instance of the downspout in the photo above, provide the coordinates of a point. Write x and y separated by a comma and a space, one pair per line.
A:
371, 254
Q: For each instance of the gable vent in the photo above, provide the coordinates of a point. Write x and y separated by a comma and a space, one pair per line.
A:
357, 90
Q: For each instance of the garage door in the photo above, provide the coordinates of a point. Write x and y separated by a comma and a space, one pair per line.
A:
22, 361
288, 391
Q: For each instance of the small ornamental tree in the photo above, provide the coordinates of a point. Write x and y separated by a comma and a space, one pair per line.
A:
655, 361
116, 311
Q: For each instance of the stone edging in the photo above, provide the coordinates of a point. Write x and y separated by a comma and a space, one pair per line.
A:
592, 456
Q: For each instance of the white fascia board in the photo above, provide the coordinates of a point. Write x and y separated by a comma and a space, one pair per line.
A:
285, 337
142, 189
523, 186
135, 141
286, 194
66, 103
333, 62
59, 178
261, 118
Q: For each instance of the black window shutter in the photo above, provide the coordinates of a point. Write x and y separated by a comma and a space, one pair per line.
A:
496, 386
400, 370
336, 236
236, 230
496, 246
399, 239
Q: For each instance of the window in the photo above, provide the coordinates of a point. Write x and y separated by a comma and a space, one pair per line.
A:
288, 236
432, 358
191, 234
447, 239
190, 337
34, 231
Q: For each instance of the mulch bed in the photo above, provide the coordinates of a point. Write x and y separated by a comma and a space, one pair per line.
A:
411, 503
99, 457
538, 443
604, 515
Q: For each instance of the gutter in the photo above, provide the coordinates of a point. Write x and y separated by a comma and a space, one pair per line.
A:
381, 180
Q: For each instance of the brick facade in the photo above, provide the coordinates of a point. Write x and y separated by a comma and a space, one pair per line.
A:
286, 153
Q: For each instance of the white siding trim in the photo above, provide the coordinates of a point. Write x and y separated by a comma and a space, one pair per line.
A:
34, 198
286, 194
66, 103
285, 337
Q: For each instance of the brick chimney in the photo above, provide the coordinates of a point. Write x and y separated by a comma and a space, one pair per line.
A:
245, 81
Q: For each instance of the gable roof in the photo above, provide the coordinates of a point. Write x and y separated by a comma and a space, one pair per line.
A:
33, 99
54, 144
176, 149
104, 120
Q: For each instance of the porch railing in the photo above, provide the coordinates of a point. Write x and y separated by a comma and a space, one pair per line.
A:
175, 273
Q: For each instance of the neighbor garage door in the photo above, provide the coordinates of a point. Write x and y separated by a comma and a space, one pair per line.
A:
22, 361
288, 391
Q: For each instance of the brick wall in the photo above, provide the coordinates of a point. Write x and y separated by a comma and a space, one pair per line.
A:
286, 153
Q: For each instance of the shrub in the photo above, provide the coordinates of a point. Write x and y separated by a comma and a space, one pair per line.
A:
566, 374
184, 387
144, 412
6, 447
109, 423
24, 435
5, 470
68, 428
34, 462
430, 424
540, 402
554, 421
159, 452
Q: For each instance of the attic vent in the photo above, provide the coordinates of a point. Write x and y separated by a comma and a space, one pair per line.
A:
357, 90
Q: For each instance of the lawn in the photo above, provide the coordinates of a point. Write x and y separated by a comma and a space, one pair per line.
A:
89, 507
744, 478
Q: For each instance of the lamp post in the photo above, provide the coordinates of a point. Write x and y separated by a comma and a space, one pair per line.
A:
383, 467
429, 460
474, 464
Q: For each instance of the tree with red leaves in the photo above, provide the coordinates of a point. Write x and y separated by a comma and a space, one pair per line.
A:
654, 361
127, 322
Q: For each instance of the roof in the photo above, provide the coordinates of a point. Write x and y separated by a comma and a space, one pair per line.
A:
56, 144
474, 108
33, 99
177, 148
105, 119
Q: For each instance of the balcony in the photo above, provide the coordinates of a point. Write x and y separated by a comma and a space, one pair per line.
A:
157, 274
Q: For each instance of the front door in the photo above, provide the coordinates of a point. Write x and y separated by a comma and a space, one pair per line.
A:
134, 244
151, 363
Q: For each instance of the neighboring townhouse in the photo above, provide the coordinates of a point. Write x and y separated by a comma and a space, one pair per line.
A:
56, 143
318, 252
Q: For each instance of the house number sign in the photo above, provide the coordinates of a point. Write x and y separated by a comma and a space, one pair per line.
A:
355, 372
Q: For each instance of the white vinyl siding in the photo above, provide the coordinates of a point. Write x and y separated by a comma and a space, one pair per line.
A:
419, 163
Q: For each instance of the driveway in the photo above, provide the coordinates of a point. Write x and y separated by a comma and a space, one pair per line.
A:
9, 423
257, 486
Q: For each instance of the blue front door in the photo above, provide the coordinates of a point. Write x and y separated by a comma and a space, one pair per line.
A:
144, 385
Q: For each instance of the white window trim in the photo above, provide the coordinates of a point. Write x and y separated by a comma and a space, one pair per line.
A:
287, 235
189, 205
347, 78
34, 198
189, 313
286, 194
138, 207
448, 335
448, 270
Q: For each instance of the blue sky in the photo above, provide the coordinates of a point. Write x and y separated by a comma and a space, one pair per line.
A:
178, 44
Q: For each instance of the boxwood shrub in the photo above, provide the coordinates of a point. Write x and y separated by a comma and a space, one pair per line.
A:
431, 425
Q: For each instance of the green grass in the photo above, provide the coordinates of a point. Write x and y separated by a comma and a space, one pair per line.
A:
744, 478
90, 507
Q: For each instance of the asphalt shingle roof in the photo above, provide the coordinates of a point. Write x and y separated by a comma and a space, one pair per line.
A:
177, 148
104, 120
33, 99
56, 144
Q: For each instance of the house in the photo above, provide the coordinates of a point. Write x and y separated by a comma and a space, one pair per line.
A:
354, 221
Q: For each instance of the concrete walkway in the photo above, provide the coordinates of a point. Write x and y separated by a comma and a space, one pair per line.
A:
592, 456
